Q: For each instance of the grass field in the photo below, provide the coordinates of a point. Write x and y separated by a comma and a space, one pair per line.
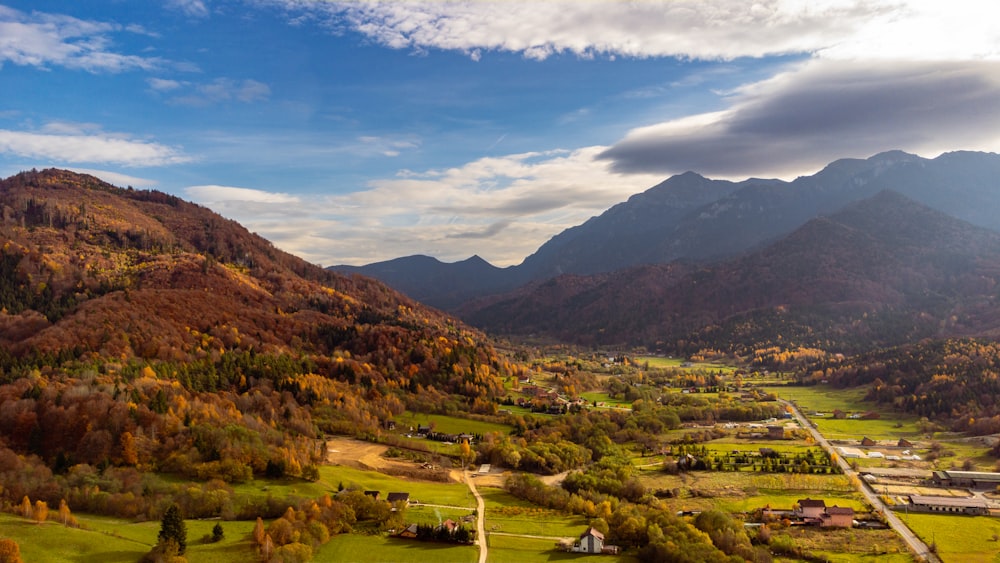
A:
660, 362
103, 539
824, 399
505, 549
959, 539
380, 549
453, 494
507, 513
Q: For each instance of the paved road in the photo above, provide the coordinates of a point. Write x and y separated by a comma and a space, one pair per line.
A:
916, 545
480, 518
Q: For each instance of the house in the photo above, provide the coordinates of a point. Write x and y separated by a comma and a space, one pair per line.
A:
867, 442
423, 430
373, 494
810, 508
776, 432
409, 532
467, 438
591, 542
389, 424
393, 498
904, 443
449, 525
837, 517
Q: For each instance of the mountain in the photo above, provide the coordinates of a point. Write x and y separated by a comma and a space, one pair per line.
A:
695, 219
450, 284
881, 271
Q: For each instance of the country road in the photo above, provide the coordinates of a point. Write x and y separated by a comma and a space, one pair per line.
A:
916, 545
480, 518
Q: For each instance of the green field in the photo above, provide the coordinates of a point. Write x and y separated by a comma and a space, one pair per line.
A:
380, 549
506, 549
824, 399
659, 362
509, 514
453, 494
959, 539
102, 539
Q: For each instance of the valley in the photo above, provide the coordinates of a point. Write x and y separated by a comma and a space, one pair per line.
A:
157, 360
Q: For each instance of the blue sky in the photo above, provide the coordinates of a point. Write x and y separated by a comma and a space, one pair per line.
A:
356, 132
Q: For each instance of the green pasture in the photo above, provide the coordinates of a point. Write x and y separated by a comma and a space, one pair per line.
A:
602, 397
656, 362
449, 424
420, 514
452, 494
103, 539
382, 549
507, 549
825, 399
509, 514
959, 539
745, 491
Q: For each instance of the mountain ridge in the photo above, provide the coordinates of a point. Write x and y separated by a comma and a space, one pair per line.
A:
691, 218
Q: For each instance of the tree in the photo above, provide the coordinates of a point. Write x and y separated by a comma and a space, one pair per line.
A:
41, 512
172, 527
258, 532
64, 514
26, 510
218, 533
10, 552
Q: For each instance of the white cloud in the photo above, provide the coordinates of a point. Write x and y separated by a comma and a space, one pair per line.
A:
163, 85
697, 29
190, 8
217, 91
41, 40
211, 194
501, 208
76, 143
820, 110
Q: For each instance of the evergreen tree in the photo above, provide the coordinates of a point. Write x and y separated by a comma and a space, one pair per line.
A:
172, 527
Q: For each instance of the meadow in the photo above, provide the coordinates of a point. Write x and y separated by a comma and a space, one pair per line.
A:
959, 539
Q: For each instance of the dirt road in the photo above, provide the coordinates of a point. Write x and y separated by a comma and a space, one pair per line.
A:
480, 518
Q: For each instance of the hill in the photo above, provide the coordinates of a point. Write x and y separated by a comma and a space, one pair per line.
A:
695, 219
882, 271
140, 330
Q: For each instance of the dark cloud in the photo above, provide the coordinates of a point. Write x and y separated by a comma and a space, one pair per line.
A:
824, 110
488, 232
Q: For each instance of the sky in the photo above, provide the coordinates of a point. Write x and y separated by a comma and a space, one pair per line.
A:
356, 132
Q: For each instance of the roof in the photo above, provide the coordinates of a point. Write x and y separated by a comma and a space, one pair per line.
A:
973, 475
592, 532
833, 510
812, 503
393, 497
961, 502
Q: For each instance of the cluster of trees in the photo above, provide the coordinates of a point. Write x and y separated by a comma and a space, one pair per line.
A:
654, 532
298, 531
774, 462
461, 534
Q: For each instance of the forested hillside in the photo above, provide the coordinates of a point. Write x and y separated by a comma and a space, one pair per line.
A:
147, 333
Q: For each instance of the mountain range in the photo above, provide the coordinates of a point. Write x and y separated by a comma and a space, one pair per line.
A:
695, 219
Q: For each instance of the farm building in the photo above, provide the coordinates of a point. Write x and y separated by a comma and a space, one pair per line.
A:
393, 498
954, 505
849, 453
971, 479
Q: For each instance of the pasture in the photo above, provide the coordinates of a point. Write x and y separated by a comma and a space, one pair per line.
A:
381, 549
958, 538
